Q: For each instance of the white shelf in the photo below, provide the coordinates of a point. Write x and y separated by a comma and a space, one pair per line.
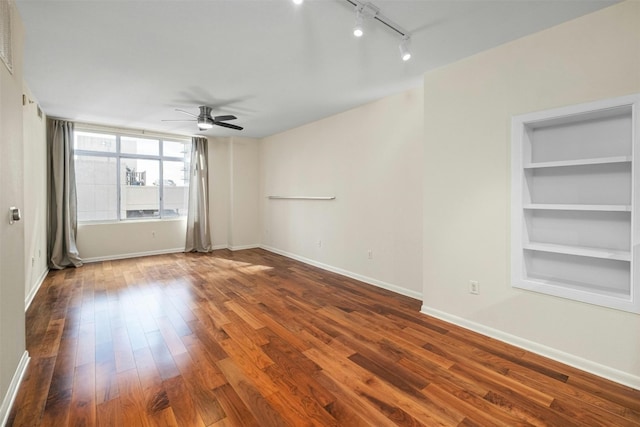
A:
597, 291
580, 251
301, 197
579, 162
559, 207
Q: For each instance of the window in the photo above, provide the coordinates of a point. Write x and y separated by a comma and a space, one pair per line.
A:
121, 177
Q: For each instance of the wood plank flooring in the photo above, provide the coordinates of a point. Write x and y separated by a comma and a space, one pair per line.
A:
250, 338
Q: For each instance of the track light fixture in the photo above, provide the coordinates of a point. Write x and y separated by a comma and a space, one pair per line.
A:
405, 53
363, 11
367, 10
358, 31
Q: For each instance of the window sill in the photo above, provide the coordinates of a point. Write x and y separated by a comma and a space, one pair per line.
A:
129, 221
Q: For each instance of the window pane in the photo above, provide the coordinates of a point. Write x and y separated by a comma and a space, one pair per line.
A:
94, 142
142, 181
140, 195
131, 145
176, 188
178, 149
96, 188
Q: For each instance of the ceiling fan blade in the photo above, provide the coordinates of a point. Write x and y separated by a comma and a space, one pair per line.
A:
227, 125
186, 112
177, 120
224, 118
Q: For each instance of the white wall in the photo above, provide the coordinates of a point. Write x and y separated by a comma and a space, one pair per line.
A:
13, 355
219, 191
128, 239
467, 112
369, 158
245, 193
233, 189
35, 196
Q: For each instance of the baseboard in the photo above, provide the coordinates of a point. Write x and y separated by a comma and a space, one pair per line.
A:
356, 276
132, 255
552, 353
12, 392
234, 248
161, 252
242, 247
34, 290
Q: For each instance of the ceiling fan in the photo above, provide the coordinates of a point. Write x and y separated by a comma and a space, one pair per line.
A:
205, 121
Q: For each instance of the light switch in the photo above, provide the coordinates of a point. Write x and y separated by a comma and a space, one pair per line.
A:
14, 214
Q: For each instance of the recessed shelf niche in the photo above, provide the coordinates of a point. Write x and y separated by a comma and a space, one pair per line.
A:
575, 229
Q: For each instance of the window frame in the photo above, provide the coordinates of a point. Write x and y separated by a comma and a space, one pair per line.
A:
119, 156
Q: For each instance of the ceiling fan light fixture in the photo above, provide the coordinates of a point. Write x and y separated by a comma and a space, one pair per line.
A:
405, 53
204, 119
205, 123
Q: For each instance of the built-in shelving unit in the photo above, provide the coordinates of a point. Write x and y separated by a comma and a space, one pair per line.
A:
575, 229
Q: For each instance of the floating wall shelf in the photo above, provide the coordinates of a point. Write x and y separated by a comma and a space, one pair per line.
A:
301, 197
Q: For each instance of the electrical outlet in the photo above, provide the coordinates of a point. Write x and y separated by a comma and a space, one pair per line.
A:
474, 287
33, 261
153, 234
370, 254
319, 243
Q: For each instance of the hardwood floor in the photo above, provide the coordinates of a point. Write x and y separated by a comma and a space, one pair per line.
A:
250, 338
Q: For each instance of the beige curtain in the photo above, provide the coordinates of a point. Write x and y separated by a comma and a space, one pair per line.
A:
62, 201
198, 230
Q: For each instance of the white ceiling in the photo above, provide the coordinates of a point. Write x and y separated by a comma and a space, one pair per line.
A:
273, 64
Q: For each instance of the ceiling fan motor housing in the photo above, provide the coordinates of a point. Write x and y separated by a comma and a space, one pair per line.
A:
204, 119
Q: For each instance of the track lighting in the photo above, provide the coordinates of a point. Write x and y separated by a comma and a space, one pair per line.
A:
367, 10
405, 53
364, 10
358, 31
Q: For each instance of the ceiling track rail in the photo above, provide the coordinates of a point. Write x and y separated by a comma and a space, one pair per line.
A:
378, 16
